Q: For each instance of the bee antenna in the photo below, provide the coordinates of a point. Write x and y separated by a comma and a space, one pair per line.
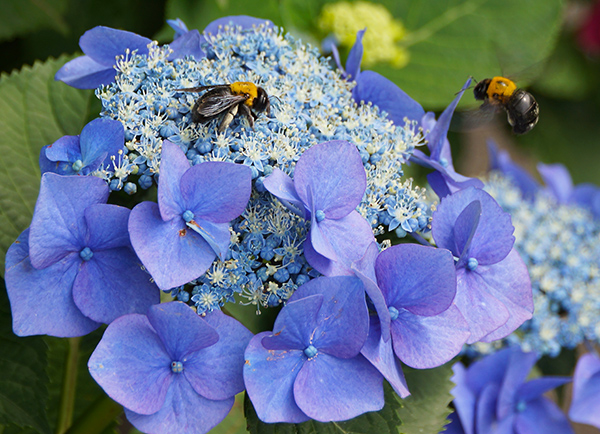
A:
470, 87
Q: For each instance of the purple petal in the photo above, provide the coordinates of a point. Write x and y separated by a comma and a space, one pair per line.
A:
173, 164
243, 21
172, 253
381, 355
343, 317
484, 312
330, 177
558, 179
103, 44
113, 284
58, 227
500, 160
490, 369
585, 406
269, 378
41, 300
425, 342
373, 87
280, 185
187, 44
49, 166
100, 139
542, 417
216, 191
464, 230
464, 398
181, 330
295, 325
485, 413
331, 389
107, 226
184, 411
535, 388
64, 149
454, 427
445, 180
321, 243
179, 26
349, 238
587, 196
508, 281
518, 368
85, 73
216, 372
131, 365
355, 57
217, 236
493, 238
417, 278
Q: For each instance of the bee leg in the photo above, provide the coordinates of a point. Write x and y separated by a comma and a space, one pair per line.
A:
227, 118
248, 114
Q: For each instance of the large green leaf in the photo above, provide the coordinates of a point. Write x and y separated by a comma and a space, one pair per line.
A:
34, 111
23, 383
424, 411
19, 17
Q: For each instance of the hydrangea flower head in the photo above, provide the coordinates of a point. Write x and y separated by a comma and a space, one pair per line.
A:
310, 366
74, 267
172, 370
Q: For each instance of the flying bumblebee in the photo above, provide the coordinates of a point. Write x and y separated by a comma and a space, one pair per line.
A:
521, 107
228, 100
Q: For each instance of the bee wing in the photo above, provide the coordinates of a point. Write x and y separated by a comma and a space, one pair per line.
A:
214, 103
475, 118
201, 88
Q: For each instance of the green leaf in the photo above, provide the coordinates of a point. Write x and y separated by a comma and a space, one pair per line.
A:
451, 40
23, 383
424, 411
36, 111
19, 17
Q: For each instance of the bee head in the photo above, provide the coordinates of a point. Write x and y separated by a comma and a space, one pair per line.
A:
261, 102
480, 90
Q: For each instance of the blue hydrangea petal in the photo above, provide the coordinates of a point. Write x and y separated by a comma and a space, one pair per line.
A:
100, 139
355, 57
417, 278
508, 281
542, 416
85, 73
215, 372
107, 226
349, 238
187, 44
500, 160
455, 426
464, 398
172, 253
375, 88
183, 411
464, 229
343, 318
131, 364
490, 369
493, 239
588, 196
180, 329
445, 180
216, 191
217, 236
103, 44
330, 177
295, 324
45, 164
198, 415
485, 413
65, 149
484, 312
516, 372
280, 185
321, 243
382, 356
173, 165
331, 389
179, 26
41, 301
538, 386
585, 406
425, 342
58, 227
243, 21
112, 284
269, 377
558, 180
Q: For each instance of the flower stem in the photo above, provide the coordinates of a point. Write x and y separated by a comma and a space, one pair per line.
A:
67, 399
99, 416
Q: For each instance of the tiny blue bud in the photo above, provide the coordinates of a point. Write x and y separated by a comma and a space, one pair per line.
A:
188, 216
393, 313
320, 215
281, 275
310, 351
400, 233
130, 188
145, 182
115, 185
176, 367
444, 162
472, 264
521, 406
302, 279
77, 165
86, 254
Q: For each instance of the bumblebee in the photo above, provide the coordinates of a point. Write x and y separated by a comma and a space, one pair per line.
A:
228, 100
521, 107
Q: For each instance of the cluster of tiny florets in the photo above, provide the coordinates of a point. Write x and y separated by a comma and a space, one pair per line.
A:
310, 104
560, 245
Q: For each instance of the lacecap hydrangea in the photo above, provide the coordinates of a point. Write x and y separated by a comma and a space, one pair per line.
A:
310, 104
